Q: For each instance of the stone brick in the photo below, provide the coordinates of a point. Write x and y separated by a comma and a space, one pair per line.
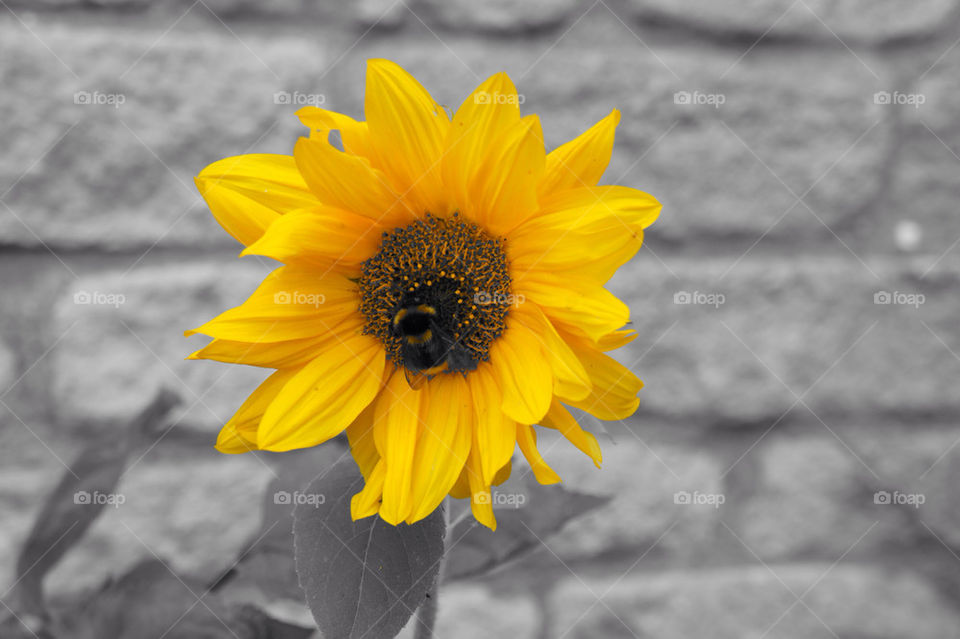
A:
790, 327
122, 338
812, 496
849, 601
924, 187
788, 124
850, 20
500, 16
473, 612
106, 157
642, 478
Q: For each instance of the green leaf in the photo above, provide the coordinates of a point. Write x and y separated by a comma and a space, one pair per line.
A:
527, 513
362, 578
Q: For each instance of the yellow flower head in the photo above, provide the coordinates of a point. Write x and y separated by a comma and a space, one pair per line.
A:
442, 291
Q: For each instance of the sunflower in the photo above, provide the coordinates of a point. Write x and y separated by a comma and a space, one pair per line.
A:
441, 291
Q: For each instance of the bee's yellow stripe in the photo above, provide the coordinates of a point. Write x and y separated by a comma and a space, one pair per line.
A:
422, 338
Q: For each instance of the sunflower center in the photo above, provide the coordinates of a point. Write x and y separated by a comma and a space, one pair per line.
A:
436, 294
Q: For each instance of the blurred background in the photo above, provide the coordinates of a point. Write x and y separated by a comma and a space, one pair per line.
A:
793, 468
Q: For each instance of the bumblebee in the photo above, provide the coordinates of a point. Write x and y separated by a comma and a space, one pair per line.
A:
427, 347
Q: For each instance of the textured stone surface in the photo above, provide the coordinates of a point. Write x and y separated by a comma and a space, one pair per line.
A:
643, 480
129, 150
127, 342
800, 327
474, 612
924, 189
854, 20
812, 493
501, 16
195, 514
848, 601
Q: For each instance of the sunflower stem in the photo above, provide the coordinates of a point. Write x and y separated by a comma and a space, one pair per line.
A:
427, 612
427, 616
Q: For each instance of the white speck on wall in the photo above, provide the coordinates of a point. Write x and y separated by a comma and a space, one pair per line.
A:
908, 235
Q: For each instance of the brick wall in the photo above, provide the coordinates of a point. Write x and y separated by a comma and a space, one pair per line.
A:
806, 154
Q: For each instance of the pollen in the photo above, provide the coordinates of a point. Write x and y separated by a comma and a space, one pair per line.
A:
449, 266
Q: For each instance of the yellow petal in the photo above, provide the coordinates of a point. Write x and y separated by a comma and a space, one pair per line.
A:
247, 192
362, 447
572, 302
326, 395
489, 111
560, 419
367, 501
524, 376
527, 438
582, 160
615, 387
396, 426
481, 501
587, 207
407, 132
290, 354
239, 435
240, 216
293, 302
444, 443
591, 232
570, 378
322, 236
496, 433
616, 339
504, 190
355, 135
348, 182
461, 489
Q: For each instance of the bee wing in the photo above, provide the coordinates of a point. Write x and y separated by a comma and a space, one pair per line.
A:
416, 379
